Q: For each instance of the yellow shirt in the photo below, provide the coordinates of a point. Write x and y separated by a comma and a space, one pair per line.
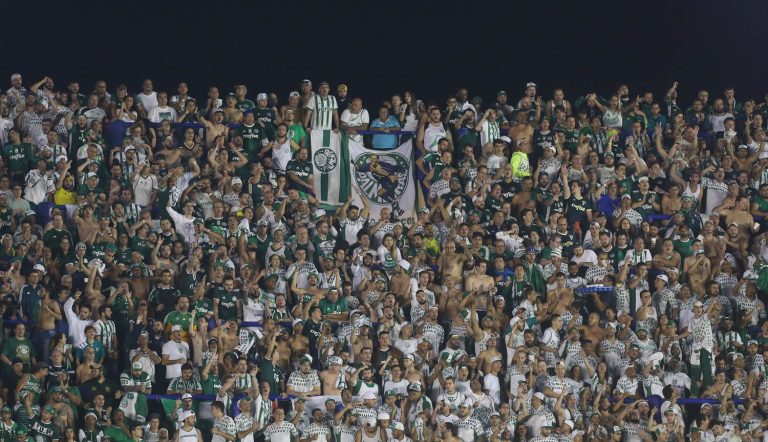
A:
62, 197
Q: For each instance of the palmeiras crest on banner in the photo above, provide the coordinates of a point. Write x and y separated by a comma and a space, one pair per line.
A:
382, 177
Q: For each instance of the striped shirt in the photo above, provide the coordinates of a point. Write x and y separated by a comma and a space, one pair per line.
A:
322, 111
314, 430
105, 330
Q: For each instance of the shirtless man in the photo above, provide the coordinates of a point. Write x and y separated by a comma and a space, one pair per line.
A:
452, 263
738, 212
333, 379
489, 354
697, 268
50, 312
559, 298
214, 128
478, 280
139, 283
297, 345
411, 372
228, 335
523, 199
401, 282
668, 258
87, 227
293, 106
522, 130
360, 341
670, 202
714, 246
592, 330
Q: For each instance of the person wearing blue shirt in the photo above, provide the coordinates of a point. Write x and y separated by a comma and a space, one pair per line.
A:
385, 124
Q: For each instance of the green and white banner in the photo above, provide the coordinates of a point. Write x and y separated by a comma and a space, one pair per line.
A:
385, 178
330, 165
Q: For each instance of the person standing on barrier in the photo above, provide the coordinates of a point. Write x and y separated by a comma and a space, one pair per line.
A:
702, 352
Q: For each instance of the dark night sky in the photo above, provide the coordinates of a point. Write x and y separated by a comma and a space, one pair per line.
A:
378, 48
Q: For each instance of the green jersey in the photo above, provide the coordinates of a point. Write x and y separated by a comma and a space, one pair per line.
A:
52, 238
252, 137
143, 247
227, 303
267, 117
178, 318
180, 385
212, 384
333, 308
18, 157
302, 169
8, 431
202, 307
188, 282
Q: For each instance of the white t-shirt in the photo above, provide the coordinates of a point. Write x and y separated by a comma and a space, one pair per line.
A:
142, 189
158, 114
148, 102
175, 350
589, 256
354, 120
281, 155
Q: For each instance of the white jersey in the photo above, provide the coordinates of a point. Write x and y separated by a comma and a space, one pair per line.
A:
432, 134
322, 111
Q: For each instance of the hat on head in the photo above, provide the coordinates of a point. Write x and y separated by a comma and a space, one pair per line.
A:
5, 409
136, 366
627, 196
236, 180
335, 360
416, 386
261, 96
540, 395
663, 278
397, 426
505, 139
306, 358
175, 328
391, 393
501, 92
570, 423
186, 396
404, 264
616, 430
49, 409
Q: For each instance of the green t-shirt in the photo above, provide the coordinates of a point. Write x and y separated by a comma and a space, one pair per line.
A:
143, 247
297, 133
44, 432
19, 348
273, 374
116, 434
267, 116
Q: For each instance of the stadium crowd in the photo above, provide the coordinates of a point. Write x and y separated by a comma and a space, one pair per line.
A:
583, 270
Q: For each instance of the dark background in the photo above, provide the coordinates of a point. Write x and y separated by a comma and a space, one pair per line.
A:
379, 48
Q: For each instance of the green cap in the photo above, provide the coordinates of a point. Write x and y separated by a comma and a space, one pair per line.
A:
21, 430
49, 409
110, 246
5, 409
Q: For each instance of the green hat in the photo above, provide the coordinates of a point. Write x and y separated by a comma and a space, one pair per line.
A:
390, 393
56, 389
5, 409
49, 409
502, 92
110, 246
21, 430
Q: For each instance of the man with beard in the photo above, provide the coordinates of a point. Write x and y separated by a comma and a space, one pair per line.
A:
299, 173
